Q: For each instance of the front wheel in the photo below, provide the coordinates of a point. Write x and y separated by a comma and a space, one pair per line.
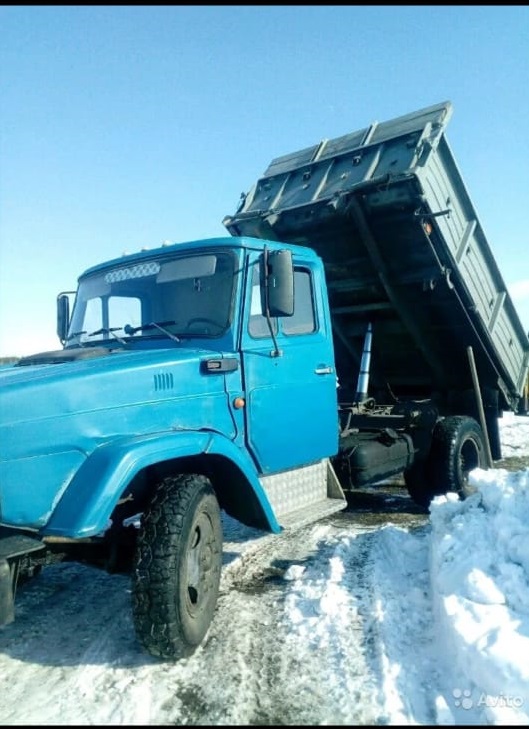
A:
177, 567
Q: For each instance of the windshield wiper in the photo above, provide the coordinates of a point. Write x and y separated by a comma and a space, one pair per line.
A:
111, 330
129, 330
76, 334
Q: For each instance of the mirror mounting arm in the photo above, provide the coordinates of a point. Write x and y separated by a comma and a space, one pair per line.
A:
276, 352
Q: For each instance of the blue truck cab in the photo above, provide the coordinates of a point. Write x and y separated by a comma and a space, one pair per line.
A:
208, 362
168, 355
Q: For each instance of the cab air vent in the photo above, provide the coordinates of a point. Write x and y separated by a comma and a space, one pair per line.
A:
163, 381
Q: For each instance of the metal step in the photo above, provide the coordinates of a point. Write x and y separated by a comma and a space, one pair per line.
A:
311, 513
302, 495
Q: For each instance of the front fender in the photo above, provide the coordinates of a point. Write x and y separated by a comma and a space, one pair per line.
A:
85, 507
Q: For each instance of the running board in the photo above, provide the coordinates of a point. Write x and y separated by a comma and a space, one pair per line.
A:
312, 513
304, 495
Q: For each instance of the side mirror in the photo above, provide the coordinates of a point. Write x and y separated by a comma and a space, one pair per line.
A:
279, 283
63, 316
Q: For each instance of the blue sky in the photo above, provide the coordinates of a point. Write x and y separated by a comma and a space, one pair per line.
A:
122, 127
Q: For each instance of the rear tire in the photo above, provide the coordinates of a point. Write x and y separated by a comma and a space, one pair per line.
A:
416, 480
458, 446
177, 567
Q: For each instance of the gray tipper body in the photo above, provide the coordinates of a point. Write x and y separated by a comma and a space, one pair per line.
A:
387, 210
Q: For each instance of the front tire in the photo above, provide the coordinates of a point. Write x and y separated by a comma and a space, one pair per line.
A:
177, 567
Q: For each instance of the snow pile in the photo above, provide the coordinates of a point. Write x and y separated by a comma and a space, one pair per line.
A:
479, 563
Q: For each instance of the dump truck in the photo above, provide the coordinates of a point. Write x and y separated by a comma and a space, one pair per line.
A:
351, 326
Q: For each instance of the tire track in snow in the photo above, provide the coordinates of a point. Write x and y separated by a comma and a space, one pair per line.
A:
327, 609
244, 649
412, 685
272, 668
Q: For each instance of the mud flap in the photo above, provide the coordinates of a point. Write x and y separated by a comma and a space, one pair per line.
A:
7, 602
12, 548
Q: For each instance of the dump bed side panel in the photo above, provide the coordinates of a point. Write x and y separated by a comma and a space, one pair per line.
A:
387, 210
474, 265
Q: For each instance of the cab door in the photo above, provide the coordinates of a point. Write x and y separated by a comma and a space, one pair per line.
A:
291, 400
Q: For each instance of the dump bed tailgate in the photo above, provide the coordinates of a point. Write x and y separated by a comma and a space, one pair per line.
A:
387, 210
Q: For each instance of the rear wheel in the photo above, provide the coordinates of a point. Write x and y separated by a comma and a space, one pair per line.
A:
177, 567
458, 446
416, 480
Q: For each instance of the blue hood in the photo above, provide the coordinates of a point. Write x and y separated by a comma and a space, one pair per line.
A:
53, 416
109, 379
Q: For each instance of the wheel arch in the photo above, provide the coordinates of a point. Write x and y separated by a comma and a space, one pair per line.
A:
239, 496
116, 481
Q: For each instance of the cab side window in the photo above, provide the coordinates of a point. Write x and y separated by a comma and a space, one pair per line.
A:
303, 320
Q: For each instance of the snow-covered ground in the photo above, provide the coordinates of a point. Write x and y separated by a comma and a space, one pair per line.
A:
383, 615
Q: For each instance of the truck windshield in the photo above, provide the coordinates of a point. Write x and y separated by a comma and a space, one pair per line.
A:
184, 296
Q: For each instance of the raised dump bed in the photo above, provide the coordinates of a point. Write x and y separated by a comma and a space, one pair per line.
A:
387, 210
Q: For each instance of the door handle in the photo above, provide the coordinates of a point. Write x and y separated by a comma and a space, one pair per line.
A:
323, 370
